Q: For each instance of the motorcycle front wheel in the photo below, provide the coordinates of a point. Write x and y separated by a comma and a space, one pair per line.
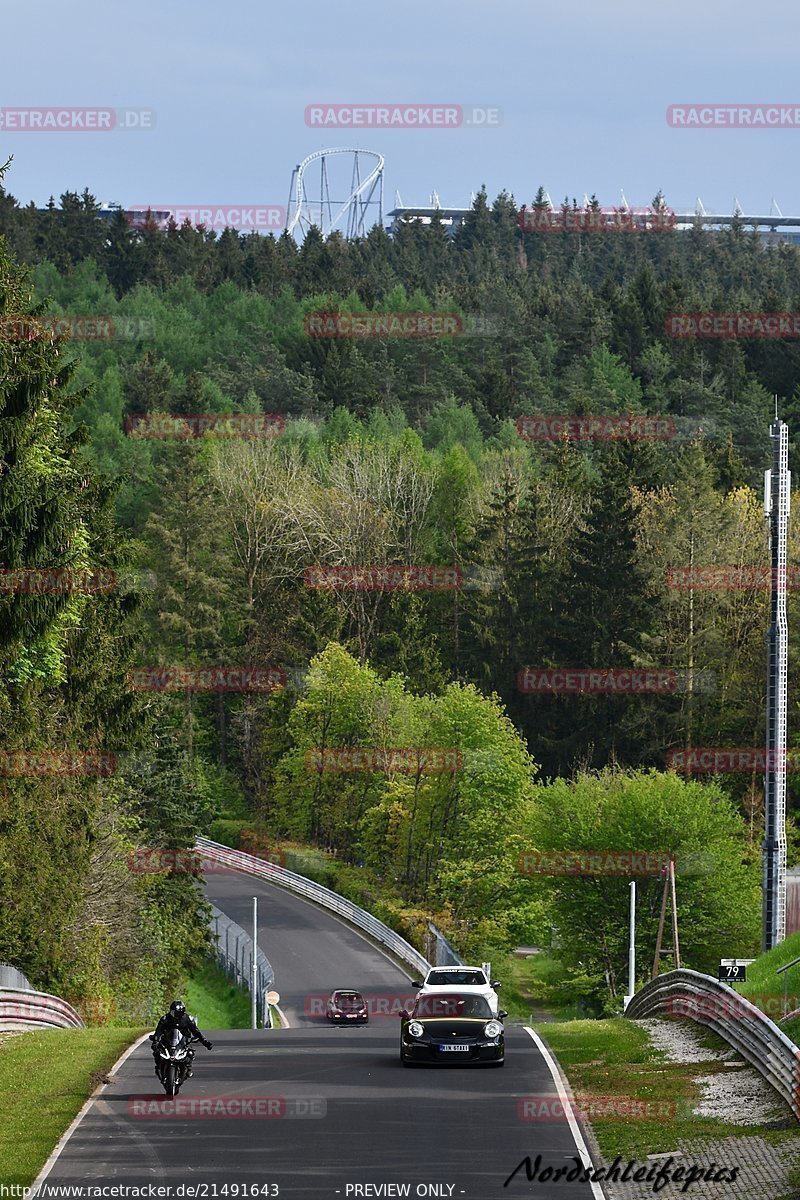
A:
170, 1083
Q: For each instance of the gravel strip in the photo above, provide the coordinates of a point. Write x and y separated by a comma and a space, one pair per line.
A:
738, 1096
680, 1043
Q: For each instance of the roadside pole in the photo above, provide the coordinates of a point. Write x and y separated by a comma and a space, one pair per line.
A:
632, 947
254, 979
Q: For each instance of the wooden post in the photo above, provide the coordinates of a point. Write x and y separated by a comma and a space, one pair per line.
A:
660, 928
675, 942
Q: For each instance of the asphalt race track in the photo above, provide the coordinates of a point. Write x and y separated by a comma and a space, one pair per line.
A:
311, 951
312, 1112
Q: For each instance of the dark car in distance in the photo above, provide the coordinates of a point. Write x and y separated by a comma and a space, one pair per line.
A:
346, 1007
454, 1028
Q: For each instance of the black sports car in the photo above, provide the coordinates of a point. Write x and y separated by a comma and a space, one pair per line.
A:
347, 1008
456, 1028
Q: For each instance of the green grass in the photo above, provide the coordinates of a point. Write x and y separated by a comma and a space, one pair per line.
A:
215, 1002
536, 984
764, 987
613, 1058
45, 1077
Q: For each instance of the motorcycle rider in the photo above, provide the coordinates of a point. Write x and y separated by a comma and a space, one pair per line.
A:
178, 1018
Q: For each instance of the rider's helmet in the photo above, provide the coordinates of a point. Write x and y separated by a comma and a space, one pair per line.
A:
177, 1008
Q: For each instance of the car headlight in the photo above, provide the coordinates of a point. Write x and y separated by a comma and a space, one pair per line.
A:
493, 1029
415, 1029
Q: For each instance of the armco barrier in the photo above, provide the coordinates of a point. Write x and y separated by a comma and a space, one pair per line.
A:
738, 1022
443, 953
396, 945
36, 1010
12, 977
234, 953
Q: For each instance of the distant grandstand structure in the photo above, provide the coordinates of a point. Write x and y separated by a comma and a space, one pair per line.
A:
773, 226
355, 213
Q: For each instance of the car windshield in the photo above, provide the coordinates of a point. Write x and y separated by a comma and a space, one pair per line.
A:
452, 1006
457, 978
348, 1001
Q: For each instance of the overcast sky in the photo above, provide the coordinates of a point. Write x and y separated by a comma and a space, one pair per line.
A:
583, 86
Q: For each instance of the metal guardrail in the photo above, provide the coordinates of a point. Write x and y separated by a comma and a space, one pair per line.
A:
443, 953
21, 1008
375, 929
234, 953
747, 1029
12, 977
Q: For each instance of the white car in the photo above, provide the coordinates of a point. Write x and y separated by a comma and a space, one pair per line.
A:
467, 980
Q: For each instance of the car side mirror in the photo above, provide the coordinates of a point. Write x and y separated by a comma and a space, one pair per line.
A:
415, 983
502, 1013
496, 983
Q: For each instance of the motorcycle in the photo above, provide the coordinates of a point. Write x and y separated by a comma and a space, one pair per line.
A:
173, 1059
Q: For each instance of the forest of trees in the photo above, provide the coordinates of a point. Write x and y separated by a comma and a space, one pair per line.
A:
398, 451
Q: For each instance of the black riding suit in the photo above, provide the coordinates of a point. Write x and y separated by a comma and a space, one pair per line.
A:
186, 1025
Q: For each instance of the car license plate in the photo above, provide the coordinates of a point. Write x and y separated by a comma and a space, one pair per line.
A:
453, 1046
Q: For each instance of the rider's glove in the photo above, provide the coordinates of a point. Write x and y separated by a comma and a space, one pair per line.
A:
208, 1045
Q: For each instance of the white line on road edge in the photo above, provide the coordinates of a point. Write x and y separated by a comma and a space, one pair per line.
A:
566, 1104
51, 1162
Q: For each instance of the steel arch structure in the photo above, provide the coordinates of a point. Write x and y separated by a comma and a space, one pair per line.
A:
348, 216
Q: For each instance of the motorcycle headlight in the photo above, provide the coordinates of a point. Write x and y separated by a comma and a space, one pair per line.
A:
415, 1029
180, 1054
493, 1029
165, 1053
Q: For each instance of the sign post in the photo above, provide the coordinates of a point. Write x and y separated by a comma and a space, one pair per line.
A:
733, 970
